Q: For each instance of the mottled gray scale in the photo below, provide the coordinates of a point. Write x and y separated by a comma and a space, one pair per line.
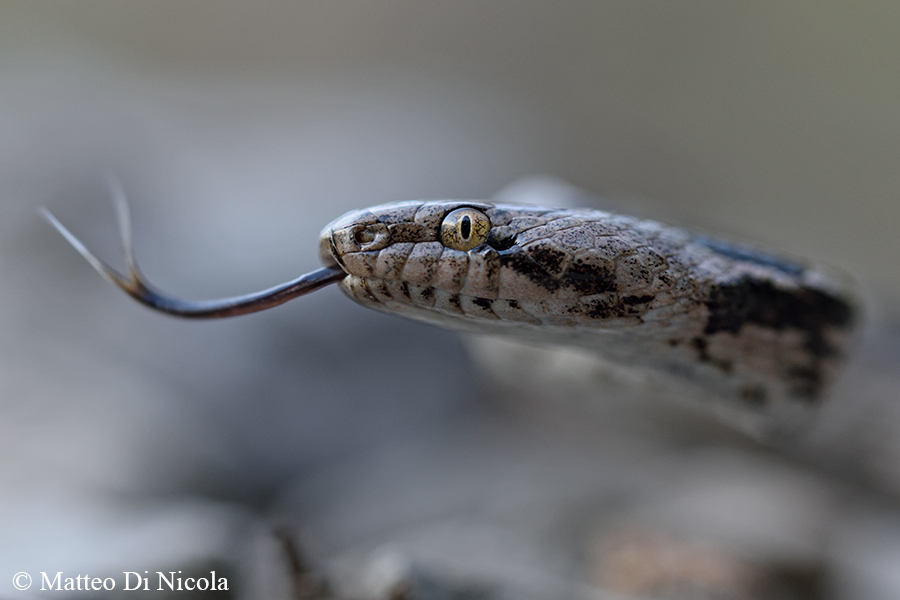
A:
662, 282
379, 289
571, 241
483, 274
591, 273
431, 215
391, 260
527, 221
448, 303
533, 308
611, 247
532, 234
452, 270
476, 307
398, 291
521, 277
500, 216
401, 212
421, 295
652, 259
361, 262
551, 257
411, 232
511, 310
556, 224
599, 228
358, 289
422, 263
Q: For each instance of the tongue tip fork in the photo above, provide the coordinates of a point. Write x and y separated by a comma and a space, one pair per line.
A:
136, 286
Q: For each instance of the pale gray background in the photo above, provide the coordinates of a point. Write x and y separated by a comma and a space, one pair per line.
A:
240, 128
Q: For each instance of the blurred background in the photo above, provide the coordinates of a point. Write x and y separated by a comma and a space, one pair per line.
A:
130, 441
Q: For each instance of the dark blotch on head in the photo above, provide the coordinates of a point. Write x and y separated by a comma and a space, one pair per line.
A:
551, 259
454, 300
605, 309
590, 278
521, 263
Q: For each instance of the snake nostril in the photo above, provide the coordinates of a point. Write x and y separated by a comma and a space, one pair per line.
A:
365, 236
373, 236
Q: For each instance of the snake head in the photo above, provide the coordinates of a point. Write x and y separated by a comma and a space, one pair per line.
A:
469, 264
412, 256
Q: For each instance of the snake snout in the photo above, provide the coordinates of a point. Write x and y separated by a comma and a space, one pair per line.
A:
327, 252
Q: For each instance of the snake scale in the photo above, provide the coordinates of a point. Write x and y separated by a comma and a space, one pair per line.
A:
757, 330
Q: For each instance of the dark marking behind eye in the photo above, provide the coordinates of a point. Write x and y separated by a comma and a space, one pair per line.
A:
522, 264
590, 278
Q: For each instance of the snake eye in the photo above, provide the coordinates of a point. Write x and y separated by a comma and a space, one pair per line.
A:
464, 229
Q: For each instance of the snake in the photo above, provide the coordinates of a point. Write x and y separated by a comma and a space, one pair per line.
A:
747, 326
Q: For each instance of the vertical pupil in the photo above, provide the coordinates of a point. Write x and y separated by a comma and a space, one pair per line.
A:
465, 228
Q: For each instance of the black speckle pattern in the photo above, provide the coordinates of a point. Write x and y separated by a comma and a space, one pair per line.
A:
751, 300
482, 303
523, 264
811, 311
591, 277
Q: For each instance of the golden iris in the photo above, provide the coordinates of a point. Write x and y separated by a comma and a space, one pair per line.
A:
464, 229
